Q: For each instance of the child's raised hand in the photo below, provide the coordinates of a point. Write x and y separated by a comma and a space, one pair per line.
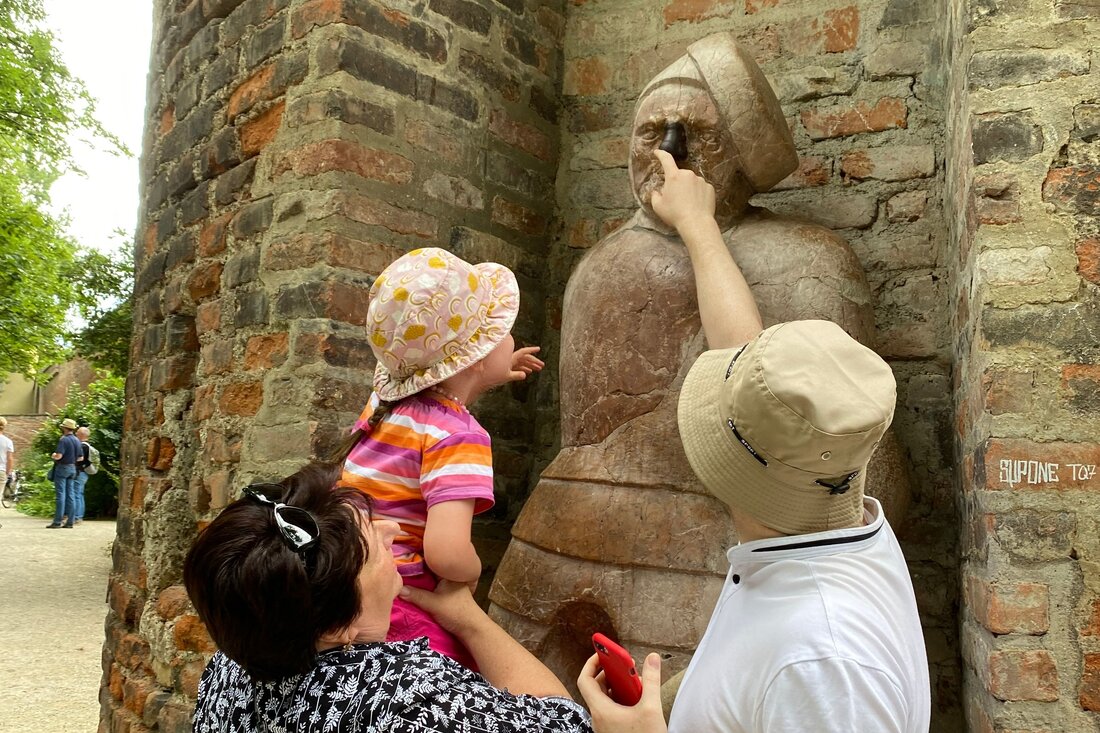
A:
684, 198
524, 362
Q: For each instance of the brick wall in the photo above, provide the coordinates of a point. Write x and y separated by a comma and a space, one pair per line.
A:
294, 148
1025, 168
862, 84
22, 429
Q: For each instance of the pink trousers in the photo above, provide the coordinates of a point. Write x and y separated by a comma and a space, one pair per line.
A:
409, 621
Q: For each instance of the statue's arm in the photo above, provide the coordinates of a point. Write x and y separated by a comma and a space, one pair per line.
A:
726, 306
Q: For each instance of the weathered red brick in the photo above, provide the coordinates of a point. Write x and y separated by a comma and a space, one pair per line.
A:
906, 206
1088, 259
217, 487
855, 117
338, 250
217, 357
159, 453
693, 11
189, 676
1013, 464
205, 280
1007, 608
1008, 390
1092, 626
260, 130
889, 162
315, 13
1090, 683
755, 6
190, 635
1082, 385
114, 682
813, 170
205, 403
432, 139
172, 601
1016, 675
208, 317
367, 210
242, 398
135, 690
253, 89
132, 652
167, 120
343, 155
212, 235
518, 217
586, 76
840, 30
1075, 189
218, 447
517, 134
266, 351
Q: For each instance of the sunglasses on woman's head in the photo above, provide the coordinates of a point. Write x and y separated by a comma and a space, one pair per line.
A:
298, 527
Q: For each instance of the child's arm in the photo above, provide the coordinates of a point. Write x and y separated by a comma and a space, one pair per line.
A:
447, 547
726, 305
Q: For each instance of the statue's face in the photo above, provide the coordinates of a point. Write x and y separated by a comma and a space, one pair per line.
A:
710, 152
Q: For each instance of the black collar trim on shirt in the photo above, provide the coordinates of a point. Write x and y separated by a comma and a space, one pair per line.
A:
822, 542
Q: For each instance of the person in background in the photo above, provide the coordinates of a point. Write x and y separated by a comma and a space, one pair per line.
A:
7, 453
65, 456
82, 434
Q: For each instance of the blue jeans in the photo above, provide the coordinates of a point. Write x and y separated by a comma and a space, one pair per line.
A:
64, 484
81, 479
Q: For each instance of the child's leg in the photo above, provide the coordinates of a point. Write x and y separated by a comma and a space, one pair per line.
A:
408, 621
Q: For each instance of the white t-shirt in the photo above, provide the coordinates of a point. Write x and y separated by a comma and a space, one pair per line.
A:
811, 632
6, 447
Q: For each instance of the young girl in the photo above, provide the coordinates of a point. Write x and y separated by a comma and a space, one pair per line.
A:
440, 330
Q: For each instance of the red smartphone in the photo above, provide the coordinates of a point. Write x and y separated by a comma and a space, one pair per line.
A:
619, 671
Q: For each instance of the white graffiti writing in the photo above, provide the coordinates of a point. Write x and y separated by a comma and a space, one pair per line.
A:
1014, 472
1081, 471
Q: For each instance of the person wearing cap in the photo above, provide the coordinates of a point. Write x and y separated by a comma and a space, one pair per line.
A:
440, 329
65, 458
816, 627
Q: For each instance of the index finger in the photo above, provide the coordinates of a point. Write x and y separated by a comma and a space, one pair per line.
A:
668, 163
586, 681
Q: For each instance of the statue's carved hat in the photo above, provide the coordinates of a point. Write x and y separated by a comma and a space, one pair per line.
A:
745, 100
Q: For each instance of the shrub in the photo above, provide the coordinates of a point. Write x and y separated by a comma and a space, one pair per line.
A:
100, 407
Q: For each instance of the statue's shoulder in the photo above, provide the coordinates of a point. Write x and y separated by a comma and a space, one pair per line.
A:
637, 234
775, 232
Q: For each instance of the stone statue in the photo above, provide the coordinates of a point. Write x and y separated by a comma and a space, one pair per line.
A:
619, 536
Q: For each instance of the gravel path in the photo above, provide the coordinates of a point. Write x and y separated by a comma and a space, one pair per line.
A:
52, 589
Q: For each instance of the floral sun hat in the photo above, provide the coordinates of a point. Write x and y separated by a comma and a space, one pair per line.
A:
433, 314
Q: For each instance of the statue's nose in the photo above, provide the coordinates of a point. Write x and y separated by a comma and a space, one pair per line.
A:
675, 142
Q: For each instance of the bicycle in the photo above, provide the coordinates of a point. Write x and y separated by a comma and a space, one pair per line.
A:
13, 490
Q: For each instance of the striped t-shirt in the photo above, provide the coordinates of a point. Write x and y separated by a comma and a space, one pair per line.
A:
427, 450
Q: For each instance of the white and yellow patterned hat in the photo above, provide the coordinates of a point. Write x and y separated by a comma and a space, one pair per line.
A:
433, 314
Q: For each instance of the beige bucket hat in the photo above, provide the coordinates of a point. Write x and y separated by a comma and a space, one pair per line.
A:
784, 427
68, 423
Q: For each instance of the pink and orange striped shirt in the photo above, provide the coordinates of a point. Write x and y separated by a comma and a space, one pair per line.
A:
427, 450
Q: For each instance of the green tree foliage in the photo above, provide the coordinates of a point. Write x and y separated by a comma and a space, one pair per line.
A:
100, 407
104, 285
41, 107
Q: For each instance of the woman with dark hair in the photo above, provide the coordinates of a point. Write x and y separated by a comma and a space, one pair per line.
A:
295, 582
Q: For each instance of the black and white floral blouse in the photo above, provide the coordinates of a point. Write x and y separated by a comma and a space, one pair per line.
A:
398, 687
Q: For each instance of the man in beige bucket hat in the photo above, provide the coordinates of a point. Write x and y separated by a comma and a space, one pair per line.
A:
816, 627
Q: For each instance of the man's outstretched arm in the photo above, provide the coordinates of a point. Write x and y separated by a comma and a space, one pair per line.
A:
726, 306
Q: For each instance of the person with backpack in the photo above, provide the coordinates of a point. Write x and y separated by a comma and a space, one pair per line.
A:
86, 466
